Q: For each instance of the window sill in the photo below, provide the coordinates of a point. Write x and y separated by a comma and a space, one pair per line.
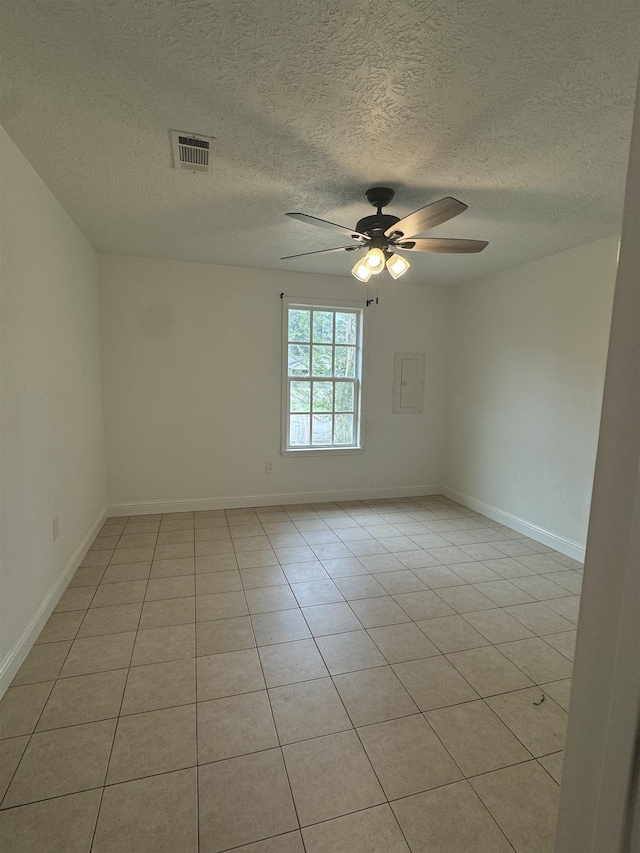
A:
327, 451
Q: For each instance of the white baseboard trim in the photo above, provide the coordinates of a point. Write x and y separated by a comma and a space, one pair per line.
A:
14, 658
558, 543
238, 501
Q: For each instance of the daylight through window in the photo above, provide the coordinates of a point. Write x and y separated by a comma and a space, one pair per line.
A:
323, 376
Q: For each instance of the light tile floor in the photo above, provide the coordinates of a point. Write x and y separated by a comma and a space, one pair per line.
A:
335, 678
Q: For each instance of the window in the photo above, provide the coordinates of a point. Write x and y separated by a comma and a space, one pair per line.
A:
322, 377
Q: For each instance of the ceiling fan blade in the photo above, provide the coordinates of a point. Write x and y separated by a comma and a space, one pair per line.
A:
322, 223
438, 244
427, 217
322, 251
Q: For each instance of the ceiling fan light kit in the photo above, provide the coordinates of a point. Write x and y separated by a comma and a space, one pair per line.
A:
381, 234
397, 266
361, 271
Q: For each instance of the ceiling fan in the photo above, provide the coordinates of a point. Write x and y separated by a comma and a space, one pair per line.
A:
382, 234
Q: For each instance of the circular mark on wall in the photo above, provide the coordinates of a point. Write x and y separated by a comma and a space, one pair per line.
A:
156, 321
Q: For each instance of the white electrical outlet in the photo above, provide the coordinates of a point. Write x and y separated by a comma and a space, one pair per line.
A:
55, 528
268, 467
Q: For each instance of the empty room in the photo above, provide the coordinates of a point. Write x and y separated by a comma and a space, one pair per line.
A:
320, 426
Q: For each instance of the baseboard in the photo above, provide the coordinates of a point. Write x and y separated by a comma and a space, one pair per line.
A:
533, 531
238, 501
14, 658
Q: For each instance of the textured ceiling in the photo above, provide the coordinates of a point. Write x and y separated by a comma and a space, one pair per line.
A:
520, 109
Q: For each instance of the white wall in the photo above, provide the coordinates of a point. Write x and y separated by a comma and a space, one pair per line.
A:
192, 385
51, 450
526, 372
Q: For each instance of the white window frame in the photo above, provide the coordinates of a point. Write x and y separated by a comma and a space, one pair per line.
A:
336, 306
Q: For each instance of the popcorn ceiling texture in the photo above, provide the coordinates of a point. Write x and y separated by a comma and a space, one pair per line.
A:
520, 109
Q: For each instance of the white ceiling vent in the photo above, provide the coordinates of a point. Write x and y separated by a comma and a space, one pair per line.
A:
191, 151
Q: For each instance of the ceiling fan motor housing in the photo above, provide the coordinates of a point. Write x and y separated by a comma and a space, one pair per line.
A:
375, 226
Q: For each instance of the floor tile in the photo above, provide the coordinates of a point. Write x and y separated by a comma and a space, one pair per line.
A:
11, 751
183, 586
374, 695
398, 582
497, 626
153, 742
541, 588
174, 611
61, 825
452, 633
375, 612
127, 572
503, 593
98, 654
279, 627
434, 683
235, 725
349, 652
228, 674
263, 577
476, 737
288, 663
488, 671
382, 563
83, 699
270, 598
99, 559
553, 765
221, 605
316, 592
540, 618
330, 551
75, 598
423, 605
437, 576
345, 567
331, 619
570, 581
87, 576
155, 645
360, 586
373, 830
541, 727
402, 642
564, 643
407, 756
215, 562
174, 552
301, 572
132, 555
62, 626
307, 710
257, 559
507, 567
523, 800
537, 659
475, 573
426, 821
159, 685
224, 635
464, 599
560, 692
244, 799
417, 559
172, 568
62, 761
330, 776
569, 607
295, 554
110, 620
153, 815
212, 582
43, 663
